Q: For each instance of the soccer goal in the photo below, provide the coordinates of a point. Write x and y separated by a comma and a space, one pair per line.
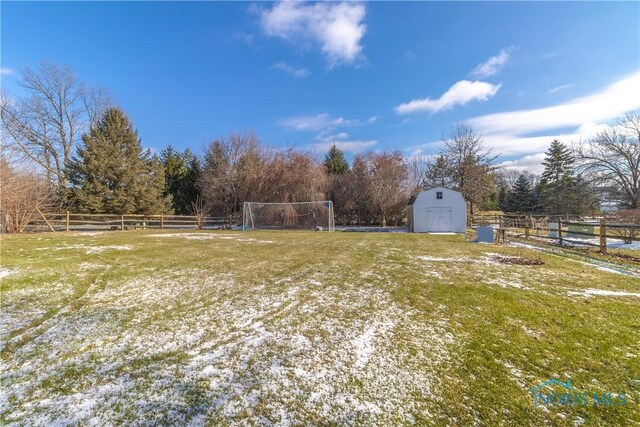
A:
288, 216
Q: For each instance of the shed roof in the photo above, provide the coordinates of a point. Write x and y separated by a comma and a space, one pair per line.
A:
413, 198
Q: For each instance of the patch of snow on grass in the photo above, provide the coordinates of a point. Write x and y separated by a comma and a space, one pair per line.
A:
365, 345
197, 236
211, 236
91, 249
530, 332
454, 260
516, 374
505, 283
184, 346
5, 272
604, 268
443, 259
601, 292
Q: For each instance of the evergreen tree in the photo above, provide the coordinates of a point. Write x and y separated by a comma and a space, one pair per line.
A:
584, 200
191, 190
557, 183
438, 174
503, 199
521, 197
112, 174
335, 162
181, 175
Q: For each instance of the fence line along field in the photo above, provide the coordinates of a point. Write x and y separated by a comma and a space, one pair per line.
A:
151, 327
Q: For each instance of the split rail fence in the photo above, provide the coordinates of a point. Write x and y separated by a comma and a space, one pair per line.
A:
68, 221
565, 230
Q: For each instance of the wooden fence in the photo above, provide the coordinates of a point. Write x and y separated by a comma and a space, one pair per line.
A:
68, 221
565, 230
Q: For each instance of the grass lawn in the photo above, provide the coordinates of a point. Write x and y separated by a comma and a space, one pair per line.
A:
290, 328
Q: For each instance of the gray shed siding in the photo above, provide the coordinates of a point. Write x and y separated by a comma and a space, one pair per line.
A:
427, 213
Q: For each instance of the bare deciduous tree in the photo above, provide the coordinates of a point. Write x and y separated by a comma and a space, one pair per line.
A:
388, 185
46, 124
418, 169
625, 224
22, 194
612, 159
232, 169
293, 176
471, 164
199, 209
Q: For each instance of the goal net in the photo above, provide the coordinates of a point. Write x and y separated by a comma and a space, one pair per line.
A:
288, 216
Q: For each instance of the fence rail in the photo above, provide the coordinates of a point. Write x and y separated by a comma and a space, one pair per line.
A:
563, 229
68, 221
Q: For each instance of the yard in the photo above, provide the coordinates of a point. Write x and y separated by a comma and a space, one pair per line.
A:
290, 328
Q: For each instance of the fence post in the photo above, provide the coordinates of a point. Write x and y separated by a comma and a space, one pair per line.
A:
67, 220
603, 235
526, 231
560, 230
161, 221
122, 222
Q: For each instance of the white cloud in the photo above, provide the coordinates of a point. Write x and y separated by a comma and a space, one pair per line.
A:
328, 131
341, 140
460, 93
559, 88
6, 71
613, 101
532, 163
337, 28
320, 122
353, 147
494, 64
298, 73
331, 138
529, 132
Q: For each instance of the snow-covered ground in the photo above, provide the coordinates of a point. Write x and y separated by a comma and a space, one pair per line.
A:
201, 328
611, 243
184, 346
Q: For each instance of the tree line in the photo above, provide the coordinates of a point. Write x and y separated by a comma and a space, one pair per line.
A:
86, 156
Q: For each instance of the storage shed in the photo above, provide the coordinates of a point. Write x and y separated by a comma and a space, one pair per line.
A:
438, 210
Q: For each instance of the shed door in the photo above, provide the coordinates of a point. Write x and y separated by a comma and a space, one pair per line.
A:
439, 220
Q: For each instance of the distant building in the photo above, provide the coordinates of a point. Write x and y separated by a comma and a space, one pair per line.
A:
438, 210
607, 197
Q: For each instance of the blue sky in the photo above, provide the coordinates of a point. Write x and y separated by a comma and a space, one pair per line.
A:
367, 76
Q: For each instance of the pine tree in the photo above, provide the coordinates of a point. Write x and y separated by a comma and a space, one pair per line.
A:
181, 175
521, 197
191, 190
438, 174
112, 174
558, 178
335, 162
584, 200
503, 199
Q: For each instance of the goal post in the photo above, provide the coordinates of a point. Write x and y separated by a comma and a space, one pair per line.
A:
288, 216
